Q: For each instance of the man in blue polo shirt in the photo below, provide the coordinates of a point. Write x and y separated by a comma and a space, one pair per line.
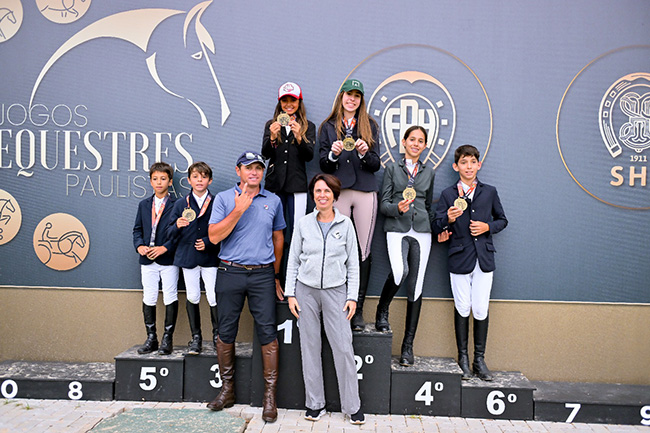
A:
248, 221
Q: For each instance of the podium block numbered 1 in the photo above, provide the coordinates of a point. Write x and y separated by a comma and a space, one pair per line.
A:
509, 396
592, 403
57, 380
149, 377
202, 379
430, 387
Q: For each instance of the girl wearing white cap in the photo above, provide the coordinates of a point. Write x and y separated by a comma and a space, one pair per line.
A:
288, 144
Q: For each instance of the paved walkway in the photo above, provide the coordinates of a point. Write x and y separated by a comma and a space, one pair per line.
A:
66, 416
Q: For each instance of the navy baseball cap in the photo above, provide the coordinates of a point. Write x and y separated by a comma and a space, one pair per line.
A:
249, 157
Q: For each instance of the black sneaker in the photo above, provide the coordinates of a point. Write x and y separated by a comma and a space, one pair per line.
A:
314, 415
358, 418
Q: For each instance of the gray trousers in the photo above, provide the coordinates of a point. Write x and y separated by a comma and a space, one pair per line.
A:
337, 328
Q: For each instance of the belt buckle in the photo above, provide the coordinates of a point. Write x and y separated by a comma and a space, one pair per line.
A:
248, 268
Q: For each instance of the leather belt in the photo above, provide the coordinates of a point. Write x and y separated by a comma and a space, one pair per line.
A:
247, 267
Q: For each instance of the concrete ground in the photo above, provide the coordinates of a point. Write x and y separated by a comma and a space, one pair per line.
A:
59, 416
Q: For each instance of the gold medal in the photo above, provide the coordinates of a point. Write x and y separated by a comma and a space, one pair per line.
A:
409, 193
460, 203
348, 143
283, 119
189, 214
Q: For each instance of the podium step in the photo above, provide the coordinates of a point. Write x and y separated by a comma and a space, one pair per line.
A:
508, 396
592, 403
149, 377
430, 387
57, 380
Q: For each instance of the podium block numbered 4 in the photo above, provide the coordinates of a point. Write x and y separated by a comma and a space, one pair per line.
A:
150, 377
592, 403
57, 380
509, 396
202, 379
430, 387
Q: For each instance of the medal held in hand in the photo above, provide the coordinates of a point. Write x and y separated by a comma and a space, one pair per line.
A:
409, 193
348, 143
283, 119
189, 214
460, 203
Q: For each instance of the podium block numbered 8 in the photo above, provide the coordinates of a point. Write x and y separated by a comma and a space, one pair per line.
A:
57, 380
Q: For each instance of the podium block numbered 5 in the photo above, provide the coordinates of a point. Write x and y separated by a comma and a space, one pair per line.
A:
509, 396
430, 387
149, 377
57, 380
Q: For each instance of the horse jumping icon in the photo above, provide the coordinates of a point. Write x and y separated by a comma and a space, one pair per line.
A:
61, 245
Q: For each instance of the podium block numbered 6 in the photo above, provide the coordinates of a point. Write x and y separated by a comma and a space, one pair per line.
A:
509, 396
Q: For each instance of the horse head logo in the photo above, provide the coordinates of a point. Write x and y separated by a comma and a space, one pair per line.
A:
137, 27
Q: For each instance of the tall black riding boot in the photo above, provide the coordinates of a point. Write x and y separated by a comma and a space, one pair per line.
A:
364, 276
151, 343
166, 344
194, 316
412, 316
387, 294
480, 339
461, 325
214, 318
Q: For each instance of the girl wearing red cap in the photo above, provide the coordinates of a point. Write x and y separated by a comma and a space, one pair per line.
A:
288, 144
348, 149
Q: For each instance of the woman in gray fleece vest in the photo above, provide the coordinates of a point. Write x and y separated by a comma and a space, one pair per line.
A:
323, 277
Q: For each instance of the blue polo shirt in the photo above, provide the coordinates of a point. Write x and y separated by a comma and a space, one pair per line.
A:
251, 241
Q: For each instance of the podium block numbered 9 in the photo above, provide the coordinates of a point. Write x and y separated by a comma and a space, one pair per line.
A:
509, 396
201, 378
57, 380
430, 387
149, 377
290, 393
372, 355
592, 403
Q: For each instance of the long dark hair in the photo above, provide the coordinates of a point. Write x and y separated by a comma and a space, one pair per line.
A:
301, 118
363, 120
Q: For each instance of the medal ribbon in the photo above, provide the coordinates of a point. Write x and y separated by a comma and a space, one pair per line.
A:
206, 203
465, 195
411, 176
349, 126
155, 219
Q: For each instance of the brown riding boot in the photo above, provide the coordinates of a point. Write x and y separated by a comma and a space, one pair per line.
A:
226, 356
270, 354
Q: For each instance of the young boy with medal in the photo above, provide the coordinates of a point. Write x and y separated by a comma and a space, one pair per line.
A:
156, 258
468, 214
195, 254
406, 201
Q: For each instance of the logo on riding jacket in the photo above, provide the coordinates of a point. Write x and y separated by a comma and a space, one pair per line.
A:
61, 241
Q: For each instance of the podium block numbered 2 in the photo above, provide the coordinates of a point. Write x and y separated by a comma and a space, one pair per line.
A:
149, 377
57, 380
509, 396
430, 387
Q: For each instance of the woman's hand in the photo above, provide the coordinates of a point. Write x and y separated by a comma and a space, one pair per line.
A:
351, 306
293, 306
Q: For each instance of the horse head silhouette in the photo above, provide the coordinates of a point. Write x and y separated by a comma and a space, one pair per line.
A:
137, 26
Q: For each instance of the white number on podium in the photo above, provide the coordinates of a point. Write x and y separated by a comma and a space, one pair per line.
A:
148, 376
424, 394
575, 408
215, 383
494, 405
6, 384
74, 391
645, 414
287, 327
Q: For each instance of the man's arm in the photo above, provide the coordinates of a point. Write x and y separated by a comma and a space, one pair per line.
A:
278, 246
